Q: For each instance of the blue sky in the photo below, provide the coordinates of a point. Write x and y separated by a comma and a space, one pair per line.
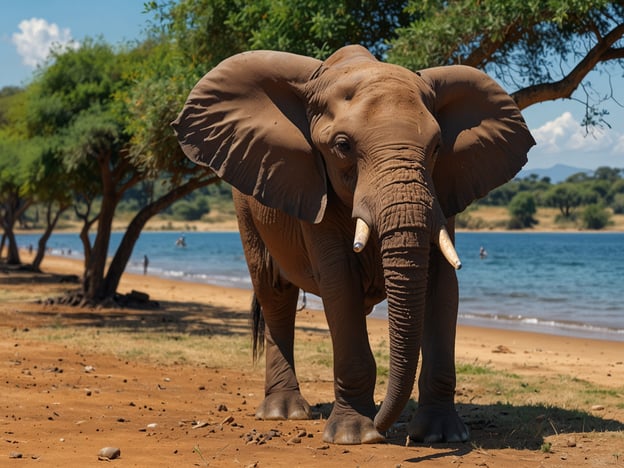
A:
28, 26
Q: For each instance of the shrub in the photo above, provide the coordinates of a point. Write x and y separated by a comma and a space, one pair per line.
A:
618, 203
595, 217
522, 208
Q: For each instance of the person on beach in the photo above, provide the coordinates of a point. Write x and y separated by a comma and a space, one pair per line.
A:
145, 264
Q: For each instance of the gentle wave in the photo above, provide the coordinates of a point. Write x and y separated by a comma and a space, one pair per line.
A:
566, 328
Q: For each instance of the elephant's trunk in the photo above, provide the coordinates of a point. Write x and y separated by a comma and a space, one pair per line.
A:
404, 228
402, 254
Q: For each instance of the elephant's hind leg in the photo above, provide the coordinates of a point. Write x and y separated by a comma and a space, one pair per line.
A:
278, 302
283, 398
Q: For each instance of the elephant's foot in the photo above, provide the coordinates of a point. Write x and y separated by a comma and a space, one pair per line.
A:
351, 428
433, 424
287, 404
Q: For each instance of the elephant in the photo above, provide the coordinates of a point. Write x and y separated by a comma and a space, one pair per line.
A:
346, 176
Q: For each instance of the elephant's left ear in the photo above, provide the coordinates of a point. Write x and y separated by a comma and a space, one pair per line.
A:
485, 140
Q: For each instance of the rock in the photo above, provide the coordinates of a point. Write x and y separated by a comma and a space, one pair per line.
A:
16, 455
109, 453
597, 407
571, 442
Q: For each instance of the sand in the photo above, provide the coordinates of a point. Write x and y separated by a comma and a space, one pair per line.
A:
62, 400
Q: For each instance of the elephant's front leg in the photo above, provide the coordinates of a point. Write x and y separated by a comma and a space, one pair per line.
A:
283, 398
340, 285
436, 419
351, 419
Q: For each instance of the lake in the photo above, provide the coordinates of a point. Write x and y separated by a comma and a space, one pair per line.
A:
560, 283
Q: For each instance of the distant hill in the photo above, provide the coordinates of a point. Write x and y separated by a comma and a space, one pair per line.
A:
557, 173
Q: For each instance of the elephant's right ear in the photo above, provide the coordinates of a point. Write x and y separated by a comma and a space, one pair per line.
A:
246, 120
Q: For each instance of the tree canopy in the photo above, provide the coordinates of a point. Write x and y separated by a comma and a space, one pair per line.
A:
541, 49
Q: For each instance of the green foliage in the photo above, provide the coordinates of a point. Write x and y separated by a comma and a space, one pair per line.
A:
502, 196
595, 216
208, 31
190, 211
565, 196
618, 203
522, 209
505, 36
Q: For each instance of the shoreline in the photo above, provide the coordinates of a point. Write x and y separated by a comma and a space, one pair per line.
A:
524, 323
164, 289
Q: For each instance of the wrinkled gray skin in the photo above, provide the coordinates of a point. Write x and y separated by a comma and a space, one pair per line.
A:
309, 146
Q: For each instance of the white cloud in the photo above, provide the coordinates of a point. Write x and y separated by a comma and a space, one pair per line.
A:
37, 37
565, 134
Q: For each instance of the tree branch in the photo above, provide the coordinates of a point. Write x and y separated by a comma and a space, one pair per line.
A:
564, 88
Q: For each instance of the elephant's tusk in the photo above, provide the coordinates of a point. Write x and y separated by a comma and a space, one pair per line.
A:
448, 250
362, 231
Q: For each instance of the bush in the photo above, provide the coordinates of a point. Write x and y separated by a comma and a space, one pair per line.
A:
465, 221
190, 211
595, 217
522, 208
618, 203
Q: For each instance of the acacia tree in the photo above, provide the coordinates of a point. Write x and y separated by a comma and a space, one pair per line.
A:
543, 49
87, 100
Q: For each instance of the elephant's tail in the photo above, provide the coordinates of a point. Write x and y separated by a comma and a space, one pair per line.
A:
257, 327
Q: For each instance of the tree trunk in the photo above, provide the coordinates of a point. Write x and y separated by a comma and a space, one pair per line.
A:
13, 257
93, 282
43, 240
14, 208
133, 231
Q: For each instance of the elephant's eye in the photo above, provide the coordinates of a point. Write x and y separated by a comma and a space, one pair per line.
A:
342, 144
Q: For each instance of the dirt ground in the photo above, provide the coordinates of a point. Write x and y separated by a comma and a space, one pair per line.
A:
64, 399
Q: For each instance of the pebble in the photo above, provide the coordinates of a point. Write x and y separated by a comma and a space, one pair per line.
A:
109, 453
15, 455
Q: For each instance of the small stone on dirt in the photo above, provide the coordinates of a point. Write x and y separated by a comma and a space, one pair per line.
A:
109, 453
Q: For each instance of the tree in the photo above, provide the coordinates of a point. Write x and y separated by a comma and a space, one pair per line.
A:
565, 196
522, 209
543, 49
71, 99
47, 185
87, 99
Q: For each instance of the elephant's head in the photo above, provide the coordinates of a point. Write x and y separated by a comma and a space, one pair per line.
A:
403, 150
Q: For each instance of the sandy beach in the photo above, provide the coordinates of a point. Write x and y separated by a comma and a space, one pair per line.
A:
76, 380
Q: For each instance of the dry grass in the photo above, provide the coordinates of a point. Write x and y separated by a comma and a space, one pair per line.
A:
497, 217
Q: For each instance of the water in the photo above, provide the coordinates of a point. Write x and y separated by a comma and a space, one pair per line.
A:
547, 282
